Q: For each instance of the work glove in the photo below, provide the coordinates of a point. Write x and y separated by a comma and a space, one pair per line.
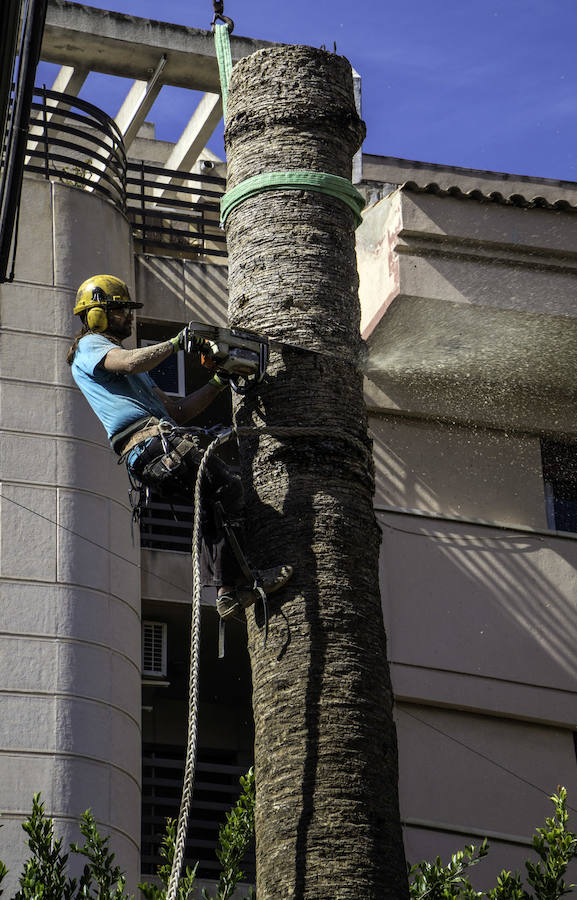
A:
220, 379
187, 340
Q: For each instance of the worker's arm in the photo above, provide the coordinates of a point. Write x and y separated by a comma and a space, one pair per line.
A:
143, 359
184, 409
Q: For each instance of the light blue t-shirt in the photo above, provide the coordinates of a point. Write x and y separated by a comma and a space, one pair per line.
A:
117, 399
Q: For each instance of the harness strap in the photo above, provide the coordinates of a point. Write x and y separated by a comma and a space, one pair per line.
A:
172, 459
119, 441
137, 438
322, 182
234, 544
224, 58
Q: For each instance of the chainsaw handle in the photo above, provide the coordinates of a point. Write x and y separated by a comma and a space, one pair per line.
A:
243, 388
240, 388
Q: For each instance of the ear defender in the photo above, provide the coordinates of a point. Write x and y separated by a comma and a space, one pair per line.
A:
96, 319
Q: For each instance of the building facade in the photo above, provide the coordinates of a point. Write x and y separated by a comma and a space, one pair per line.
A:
468, 298
467, 292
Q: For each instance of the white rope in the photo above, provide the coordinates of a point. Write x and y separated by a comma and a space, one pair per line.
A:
191, 742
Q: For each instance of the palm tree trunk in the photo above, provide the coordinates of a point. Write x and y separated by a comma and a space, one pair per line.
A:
327, 817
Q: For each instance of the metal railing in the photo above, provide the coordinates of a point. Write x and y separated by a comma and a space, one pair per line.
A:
175, 213
74, 141
216, 790
172, 212
166, 527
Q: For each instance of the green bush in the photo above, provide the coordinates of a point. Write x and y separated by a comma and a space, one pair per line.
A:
45, 877
555, 845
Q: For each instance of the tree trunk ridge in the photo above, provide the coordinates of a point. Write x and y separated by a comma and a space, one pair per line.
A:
327, 814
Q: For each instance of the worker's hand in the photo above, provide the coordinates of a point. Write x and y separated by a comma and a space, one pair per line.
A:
220, 379
180, 341
187, 340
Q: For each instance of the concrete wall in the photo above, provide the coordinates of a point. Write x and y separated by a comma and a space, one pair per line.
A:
464, 777
176, 290
481, 626
458, 470
70, 644
469, 314
468, 310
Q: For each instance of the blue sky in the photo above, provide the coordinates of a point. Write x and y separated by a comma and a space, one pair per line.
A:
481, 84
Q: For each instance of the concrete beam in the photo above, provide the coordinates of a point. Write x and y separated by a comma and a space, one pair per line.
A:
138, 103
69, 80
193, 139
128, 46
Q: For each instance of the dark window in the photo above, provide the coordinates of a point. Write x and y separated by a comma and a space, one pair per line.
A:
184, 372
169, 375
216, 790
560, 476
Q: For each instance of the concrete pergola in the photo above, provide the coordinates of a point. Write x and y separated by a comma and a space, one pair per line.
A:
81, 39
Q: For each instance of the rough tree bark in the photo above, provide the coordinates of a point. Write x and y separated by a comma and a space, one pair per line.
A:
327, 817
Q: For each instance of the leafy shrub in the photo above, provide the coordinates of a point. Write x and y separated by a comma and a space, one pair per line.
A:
555, 845
45, 877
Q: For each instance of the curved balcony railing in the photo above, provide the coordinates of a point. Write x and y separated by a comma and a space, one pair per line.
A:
172, 212
74, 141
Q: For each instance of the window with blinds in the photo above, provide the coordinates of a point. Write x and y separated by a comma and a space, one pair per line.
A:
154, 648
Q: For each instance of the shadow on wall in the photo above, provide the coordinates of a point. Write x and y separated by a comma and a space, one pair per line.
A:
466, 597
179, 290
478, 601
455, 470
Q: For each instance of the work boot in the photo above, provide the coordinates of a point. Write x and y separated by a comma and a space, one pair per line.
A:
231, 604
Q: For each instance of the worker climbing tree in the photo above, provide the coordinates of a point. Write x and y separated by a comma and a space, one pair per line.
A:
145, 429
327, 816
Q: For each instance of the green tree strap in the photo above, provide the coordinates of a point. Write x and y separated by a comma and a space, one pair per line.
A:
333, 185
224, 59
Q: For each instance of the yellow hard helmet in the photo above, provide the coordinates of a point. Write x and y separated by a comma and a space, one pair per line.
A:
99, 293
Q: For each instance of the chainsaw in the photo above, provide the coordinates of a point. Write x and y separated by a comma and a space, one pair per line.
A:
241, 354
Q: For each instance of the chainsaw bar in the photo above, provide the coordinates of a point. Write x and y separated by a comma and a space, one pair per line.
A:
242, 354
240, 338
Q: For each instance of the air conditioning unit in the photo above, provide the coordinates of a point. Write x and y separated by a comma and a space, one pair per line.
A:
154, 648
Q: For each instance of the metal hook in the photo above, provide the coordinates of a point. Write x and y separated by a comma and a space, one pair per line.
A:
219, 16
